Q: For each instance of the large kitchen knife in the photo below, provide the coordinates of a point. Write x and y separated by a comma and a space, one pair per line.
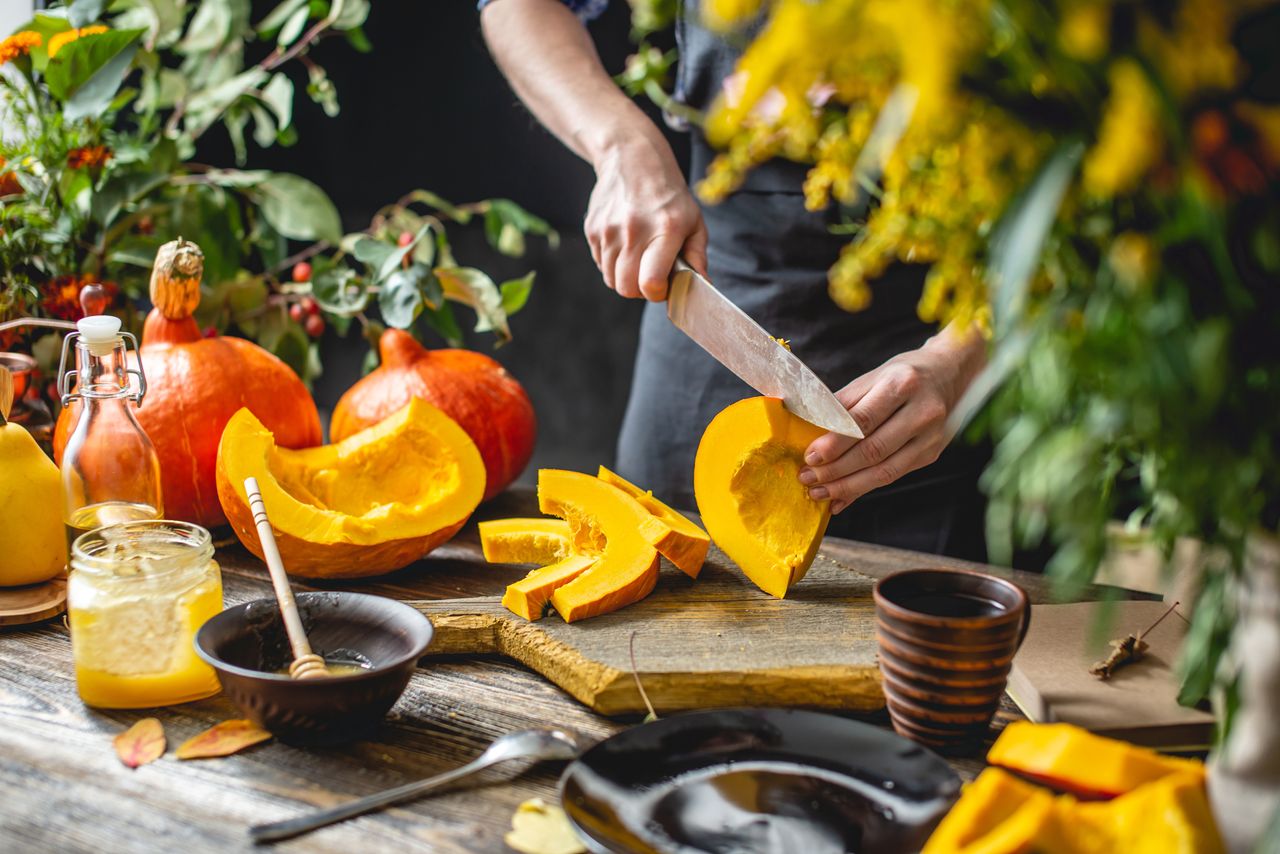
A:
741, 345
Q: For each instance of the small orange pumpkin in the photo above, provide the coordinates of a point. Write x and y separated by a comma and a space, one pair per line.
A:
469, 387
194, 386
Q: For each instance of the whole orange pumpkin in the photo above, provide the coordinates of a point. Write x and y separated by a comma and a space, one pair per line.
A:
469, 387
194, 386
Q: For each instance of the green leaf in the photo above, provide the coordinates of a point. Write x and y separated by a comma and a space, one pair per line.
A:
372, 253
264, 126
358, 40
47, 24
299, 209
515, 293
474, 288
353, 14
340, 292
1020, 235
426, 197
82, 13
400, 297
277, 17
97, 94
394, 260
82, 59
206, 106
215, 23
123, 188
293, 27
236, 178
278, 95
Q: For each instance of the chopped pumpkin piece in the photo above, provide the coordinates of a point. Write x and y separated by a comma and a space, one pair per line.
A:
996, 814
540, 541
605, 522
1168, 816
746, 482
529, 596
670, 532
1069, 758
372, 503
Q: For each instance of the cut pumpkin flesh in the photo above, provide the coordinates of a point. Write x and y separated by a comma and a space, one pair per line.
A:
540, 541
997, 814
746, 482
674, 536
605, 522
374, 502
529, 596
1072, 759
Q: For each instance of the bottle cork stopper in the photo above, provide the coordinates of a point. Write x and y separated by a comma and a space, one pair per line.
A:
100, 333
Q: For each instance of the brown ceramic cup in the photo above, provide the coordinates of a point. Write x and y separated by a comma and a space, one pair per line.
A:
946, 639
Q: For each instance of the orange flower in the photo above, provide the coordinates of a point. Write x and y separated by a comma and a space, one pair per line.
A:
18, 44
67, 36
60, 298
88, 157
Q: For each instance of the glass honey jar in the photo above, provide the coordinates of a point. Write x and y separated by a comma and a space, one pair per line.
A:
137, 594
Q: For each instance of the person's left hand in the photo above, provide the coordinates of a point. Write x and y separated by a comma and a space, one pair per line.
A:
902, 407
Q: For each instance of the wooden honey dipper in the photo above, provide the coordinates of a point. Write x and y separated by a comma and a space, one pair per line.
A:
306, 664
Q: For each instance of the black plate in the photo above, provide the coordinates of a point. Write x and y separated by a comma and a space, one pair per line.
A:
757, 780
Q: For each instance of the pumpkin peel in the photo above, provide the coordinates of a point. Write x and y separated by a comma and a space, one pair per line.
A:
746, 483
369, 504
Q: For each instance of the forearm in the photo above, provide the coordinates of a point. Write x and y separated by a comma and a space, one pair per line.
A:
551, 63
964, 348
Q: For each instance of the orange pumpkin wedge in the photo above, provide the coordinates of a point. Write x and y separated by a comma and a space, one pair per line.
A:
674, 536
605, 521
540, 541
529, 596
746, 482
372, 503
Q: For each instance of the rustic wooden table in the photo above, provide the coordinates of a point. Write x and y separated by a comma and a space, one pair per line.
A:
64, 789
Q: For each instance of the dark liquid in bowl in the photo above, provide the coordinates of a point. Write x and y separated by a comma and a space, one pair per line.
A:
952, 605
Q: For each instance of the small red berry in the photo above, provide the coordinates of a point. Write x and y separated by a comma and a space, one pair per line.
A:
296, 312
314, 326
310, 306
210, 332
406, 237
302, 272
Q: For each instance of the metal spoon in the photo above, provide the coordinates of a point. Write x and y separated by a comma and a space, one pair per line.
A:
538, 744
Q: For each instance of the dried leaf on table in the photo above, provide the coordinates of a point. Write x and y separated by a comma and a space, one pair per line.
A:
223, 739
141, 743
541, 828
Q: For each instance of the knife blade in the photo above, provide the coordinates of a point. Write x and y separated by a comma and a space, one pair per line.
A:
740, 344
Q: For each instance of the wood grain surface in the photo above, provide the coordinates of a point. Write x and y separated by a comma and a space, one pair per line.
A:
64, 790
33, 603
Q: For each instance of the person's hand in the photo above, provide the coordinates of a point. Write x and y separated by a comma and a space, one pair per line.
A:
640, 217
902, 407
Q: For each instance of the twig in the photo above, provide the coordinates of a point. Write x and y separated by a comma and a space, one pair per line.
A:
635, 673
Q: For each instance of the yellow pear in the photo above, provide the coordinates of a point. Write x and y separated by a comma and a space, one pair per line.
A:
33, 545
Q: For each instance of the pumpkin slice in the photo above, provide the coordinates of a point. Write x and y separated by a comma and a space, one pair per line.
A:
605, 521
997, 814
674, 536
1074, 760
372, 503
746, 482
540, 541
529, 596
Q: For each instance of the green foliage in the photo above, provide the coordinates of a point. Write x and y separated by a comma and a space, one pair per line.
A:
104, 174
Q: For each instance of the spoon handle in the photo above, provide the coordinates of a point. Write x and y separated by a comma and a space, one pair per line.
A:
279, 578
323, 818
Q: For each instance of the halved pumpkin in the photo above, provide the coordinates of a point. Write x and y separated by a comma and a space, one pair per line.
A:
540, 541
372, 503
746, 483
606, 522
674, 536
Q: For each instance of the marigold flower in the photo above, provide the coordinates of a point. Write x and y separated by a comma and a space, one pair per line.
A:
9, 185
60, 297
88, 157
61, 39
19, 44
1129, 139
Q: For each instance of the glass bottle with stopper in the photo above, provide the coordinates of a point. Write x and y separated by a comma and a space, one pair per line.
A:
110, 471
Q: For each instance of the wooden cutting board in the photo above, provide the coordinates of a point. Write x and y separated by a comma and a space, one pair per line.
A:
711, 642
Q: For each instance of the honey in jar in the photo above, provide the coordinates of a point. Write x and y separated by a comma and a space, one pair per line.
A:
137, 594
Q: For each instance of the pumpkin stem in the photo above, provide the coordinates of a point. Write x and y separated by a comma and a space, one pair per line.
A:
175, 279
397, 347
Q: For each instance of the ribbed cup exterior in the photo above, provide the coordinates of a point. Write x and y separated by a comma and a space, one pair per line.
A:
943, 676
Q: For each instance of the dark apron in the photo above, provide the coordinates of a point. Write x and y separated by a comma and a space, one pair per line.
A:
770, 256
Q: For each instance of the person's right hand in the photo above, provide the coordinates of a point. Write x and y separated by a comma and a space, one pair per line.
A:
640, 217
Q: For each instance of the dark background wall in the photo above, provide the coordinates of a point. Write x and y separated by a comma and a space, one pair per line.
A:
428, 108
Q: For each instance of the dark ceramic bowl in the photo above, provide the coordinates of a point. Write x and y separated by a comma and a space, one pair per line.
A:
247, 646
